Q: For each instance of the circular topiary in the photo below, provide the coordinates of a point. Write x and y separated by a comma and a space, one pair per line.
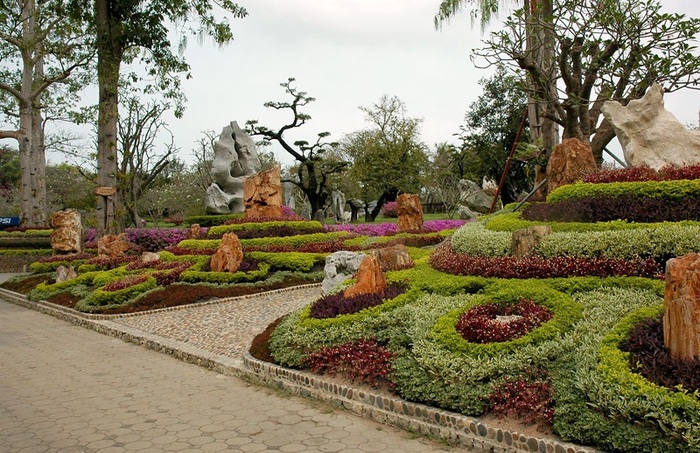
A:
490, 322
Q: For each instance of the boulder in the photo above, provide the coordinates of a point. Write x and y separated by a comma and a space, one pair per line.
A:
64, 273
569, 162
112, 245
370, 279
67, 234
682, 307
340, 266
262, 194
235, 158
338, 206
393, 258
466, 214
526, 240
229, 256
150, 257
410, 213
473, 197
651, 135
194, 232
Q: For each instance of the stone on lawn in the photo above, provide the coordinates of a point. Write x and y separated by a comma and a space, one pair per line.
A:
113, 245
229, 256
370, 279
340, 266
67, 234
262, 194
410, 213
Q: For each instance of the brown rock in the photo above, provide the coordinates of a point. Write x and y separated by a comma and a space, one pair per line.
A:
194, 232
229, 256
67, 234
393, 258
112, 245
526, 240
568, 163
64, 273
410, 213
370, 278
150, 257
682, 307
262, 194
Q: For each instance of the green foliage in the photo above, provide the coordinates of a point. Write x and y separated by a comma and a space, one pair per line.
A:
39, 267
220, 230
291, 261
194, 276
43, 233
475, 240
665, 190
211, 220
102, 299
294, 241
512, 221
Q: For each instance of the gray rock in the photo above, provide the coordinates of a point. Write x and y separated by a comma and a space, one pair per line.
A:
340, 266
235, 158
473, 197
650, 134
64, 273
338, 205
466, 214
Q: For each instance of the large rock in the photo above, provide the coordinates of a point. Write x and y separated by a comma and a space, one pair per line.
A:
649, 134
113, 245
338, 206
370, 279
393, 258
569, 162
473, 197
682, 307
466, 214
229, 256
340, 266
235, 158
526, 240
410, 213
67, 234
262, 194
65, 273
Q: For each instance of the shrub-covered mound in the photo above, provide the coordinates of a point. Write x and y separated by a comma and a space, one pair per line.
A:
487, 323
332, 305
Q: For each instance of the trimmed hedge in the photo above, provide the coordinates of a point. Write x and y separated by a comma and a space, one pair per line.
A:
301, 226
211, 220
665, 190
292, 261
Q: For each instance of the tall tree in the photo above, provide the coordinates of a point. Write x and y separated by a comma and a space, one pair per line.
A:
388, 157
41, 50
129, 29
605, 49
312, 168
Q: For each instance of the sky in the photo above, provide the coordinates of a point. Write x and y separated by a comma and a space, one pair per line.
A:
347, 54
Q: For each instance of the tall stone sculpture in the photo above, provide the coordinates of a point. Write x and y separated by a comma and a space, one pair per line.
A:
650, 134
235, 158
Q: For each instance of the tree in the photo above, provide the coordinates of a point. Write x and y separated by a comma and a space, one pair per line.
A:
388, 158
140, 160
130, 29
69, 186
490, 129
449, 164
604, 49
41, 51
312, 168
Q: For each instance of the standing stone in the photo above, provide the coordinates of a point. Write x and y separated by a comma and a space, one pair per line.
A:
569, 162
150, 257
113, 245
67, 234
194, 232
235, 158
338, 205
229, 256
682, 307
526, 240
410, 213
393, 258
65, 273
370, 279
340, 266
262, 194
651, 135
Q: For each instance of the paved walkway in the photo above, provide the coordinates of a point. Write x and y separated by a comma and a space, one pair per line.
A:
64, 388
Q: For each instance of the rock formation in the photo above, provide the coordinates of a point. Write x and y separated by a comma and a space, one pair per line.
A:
650, 134
682, 307
235, 158
466, 214
526, 240
194, 231
340, 266
473, 197
393, 258
67, 234
338, 206
113, 245
262, 194
569, 162
229, 256
65, 273
370, 278
410, 213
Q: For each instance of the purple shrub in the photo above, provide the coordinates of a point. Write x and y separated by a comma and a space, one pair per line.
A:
481, 324
333, 305
390, 209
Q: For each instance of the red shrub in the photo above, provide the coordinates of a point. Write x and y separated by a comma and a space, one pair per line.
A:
643, 173
333, 305
529, 398
481, 324
185, 251
363, 361
126, 282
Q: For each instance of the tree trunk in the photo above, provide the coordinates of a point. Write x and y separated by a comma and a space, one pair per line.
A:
387, 195
682, 307
110, 52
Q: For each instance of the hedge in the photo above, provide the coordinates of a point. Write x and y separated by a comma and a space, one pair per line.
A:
667, 190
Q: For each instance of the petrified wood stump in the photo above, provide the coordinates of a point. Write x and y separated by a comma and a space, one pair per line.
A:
682, 307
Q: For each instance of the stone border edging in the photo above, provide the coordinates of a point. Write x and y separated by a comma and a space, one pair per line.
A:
454, 428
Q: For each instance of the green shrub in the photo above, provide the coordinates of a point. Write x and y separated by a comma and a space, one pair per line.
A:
220, 230
295, 241
475, 240
101, 299
666, 190
29, 252
211, 220
292, 261
195, 276
512, 221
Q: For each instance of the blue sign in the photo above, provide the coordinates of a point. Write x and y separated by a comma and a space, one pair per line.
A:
6, 222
